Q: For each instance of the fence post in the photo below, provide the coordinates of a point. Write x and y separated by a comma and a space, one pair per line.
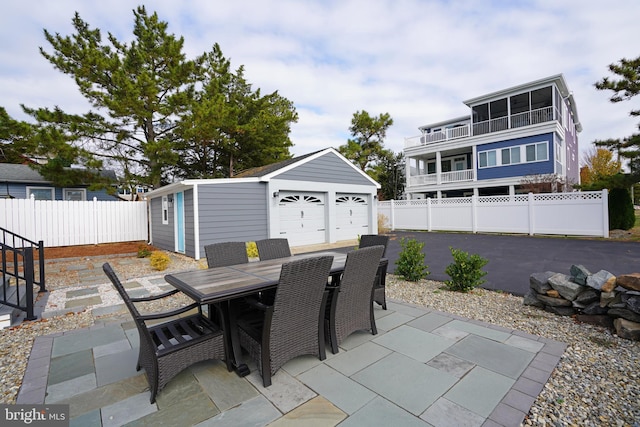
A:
94, 214
605, 213
429, 213
531, 213
474, 213
392, 215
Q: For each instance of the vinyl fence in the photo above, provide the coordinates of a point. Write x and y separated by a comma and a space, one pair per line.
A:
69, 223
577, 213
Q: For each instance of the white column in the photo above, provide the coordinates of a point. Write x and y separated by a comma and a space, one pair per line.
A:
438, 170
474, 162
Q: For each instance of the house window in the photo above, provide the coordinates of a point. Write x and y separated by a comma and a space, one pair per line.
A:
510, 155
537, 152
431, 167
165, 210
487, 158
75, 194
41, 193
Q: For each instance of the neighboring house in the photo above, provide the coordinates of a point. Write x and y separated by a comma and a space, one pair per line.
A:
22, 182
524, 133
320, 197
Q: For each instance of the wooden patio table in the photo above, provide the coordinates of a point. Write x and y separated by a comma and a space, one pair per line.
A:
220, 285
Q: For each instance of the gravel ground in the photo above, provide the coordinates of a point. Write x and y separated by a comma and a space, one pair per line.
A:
596, 382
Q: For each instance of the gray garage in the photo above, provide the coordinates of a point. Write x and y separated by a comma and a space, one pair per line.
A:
316, 198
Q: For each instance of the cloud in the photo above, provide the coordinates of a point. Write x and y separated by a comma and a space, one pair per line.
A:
417, 60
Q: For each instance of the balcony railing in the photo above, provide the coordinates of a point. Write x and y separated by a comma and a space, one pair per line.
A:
445, 177
480, 128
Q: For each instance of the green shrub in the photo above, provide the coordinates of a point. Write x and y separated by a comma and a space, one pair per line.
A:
621, 213
466, 271
410, 264
159, 260
143, 251
252, 250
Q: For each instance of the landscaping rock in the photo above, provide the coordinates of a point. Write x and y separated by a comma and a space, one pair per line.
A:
626, 329
629, 281
554, 302
602, 277
588, 296
606, 298
563, 284
560, 311
579, 274
594, 309
553, 293
632, 302
596, 319
625, 314
539, 282
531, 299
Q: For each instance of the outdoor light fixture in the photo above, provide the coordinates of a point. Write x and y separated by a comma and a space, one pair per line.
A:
276, 193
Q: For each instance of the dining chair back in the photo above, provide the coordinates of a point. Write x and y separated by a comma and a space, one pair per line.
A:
379, 294
169, 347
226, 253
293, 325
273, 248
351, 306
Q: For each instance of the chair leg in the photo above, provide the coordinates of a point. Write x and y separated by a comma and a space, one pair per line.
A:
333, 339
322, 353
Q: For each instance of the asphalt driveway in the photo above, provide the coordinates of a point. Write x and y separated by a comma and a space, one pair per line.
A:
512, 259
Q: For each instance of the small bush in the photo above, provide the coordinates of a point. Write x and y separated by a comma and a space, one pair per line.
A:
143, 251
252, 250
621, 213
159, 260
383, 224
410, 264
466, 271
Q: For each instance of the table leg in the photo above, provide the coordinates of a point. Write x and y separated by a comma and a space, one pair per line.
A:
233, 340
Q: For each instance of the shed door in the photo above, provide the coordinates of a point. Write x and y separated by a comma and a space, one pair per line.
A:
302, 218
352, 216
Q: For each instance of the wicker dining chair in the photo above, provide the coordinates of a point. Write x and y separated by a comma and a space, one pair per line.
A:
226, 253
368, 240
168, 348
273, 248
351, 302
293, 325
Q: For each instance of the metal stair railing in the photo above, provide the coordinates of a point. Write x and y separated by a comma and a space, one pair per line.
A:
19, 272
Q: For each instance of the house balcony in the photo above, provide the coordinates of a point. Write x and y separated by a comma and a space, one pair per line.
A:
445, 177
513, 121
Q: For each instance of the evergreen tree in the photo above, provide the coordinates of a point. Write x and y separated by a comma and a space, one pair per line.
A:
368, 134
625, 88
156, 114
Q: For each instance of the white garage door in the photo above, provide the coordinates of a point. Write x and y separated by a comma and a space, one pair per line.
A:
302, 218
352, 216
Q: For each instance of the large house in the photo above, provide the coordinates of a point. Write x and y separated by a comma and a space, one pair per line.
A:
527, 134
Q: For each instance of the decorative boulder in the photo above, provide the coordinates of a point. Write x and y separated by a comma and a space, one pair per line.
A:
595, 309
625, 314
626, 329
554, 302
599, 279
539, 281
629, 281
632, 301
588, 296
579, 274
531, 299
566, 288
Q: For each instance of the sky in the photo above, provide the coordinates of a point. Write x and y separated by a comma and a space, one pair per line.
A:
417, 60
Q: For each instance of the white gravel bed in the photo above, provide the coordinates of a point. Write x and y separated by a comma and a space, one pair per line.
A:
596, 382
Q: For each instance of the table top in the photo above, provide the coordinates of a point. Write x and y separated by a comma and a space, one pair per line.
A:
224, 283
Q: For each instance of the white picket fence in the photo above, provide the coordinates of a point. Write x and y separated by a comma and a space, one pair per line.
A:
577, 213
69, 223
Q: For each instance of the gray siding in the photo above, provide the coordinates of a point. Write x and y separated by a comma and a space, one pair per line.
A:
327, 168
162, 235
189, 225
19, 191
232, 212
